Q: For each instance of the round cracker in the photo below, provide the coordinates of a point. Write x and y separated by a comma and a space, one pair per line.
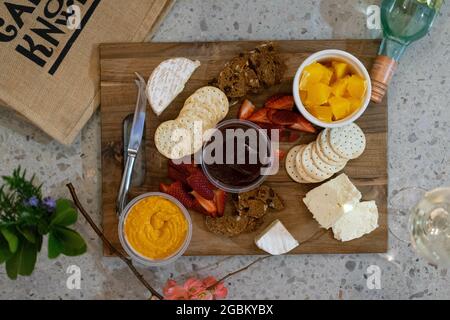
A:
203, 111
326, 160
309, 166
348, 142
322, 165
301, 170
166, 142
202, 115
326, 148
291, 168
214, 97
194, 128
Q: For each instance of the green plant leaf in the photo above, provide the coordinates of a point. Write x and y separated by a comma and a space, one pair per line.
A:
65, 214
29, 233
54, 246
39, 243
5, 254
70, 242
11, 237
23, 261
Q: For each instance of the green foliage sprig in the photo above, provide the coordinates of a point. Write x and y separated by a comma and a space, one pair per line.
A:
26, 217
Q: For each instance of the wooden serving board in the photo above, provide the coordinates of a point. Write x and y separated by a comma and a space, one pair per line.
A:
118, 98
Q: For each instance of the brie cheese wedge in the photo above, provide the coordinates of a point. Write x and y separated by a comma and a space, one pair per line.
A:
167, 81
363, 219
331, 200
276, 239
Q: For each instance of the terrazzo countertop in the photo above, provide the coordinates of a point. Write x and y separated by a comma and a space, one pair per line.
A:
419, 157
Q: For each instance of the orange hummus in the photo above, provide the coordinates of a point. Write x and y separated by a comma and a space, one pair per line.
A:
155, 227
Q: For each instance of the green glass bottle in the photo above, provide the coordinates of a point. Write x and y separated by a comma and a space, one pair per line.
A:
403, 21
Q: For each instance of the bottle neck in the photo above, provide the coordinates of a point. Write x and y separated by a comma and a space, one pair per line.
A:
392, 48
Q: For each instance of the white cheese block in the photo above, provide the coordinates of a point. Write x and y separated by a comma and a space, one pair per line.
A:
362, 220
276, 239
167, 81
331, 200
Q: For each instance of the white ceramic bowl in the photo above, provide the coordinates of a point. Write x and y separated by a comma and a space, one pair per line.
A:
337, 55
136, 256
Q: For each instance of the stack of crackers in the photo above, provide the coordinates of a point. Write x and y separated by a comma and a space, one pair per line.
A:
183, 136
329, 154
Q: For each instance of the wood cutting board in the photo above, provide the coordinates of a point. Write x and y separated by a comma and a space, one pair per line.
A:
118, 99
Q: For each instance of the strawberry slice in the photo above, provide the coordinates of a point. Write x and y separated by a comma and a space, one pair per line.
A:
301, 124
285, 135
260, 116
293, 136
208, 205
246, 110
281, 154
176, 175
185, 168
270, 126
176, 190
280, 103
199, 183
270, 113
220, 198
284, 117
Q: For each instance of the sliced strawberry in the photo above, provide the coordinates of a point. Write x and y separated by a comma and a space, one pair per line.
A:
208, 205
220, 198
293, 136
270, 113
246, 110
273, 98
284, 117
260, 116
280, 103
176, 175
270, 126
176, 190
285, 135
281, 154
199, 183
301, 124
185, 168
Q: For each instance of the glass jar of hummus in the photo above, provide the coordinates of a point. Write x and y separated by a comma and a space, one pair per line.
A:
155, 229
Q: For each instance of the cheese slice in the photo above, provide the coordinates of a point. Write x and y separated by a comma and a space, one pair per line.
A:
362, 220
331, 200
276, 239
167, 81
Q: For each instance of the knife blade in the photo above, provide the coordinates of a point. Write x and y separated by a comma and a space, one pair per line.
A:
137, 128
136, 134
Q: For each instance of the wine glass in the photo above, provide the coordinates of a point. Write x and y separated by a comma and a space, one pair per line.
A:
430, 227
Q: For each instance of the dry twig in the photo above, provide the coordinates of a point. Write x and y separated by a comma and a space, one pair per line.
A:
113, 249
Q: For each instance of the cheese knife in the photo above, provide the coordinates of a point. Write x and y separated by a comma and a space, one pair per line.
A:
136, 134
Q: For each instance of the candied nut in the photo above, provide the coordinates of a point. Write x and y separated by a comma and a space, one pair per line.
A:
276, 203
257, 208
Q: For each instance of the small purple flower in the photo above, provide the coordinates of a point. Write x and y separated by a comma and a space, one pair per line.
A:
49, 203
32, 202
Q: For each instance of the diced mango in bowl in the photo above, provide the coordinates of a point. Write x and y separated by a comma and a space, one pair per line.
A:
331, 91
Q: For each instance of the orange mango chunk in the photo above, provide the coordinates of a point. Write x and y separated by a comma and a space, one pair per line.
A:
340, 107
356, 87
327, 76
318, 94
340, 69
322, 113
311, 74
303, 95
339, 88
355, 104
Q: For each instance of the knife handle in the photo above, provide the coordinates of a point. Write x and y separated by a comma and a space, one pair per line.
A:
125, 184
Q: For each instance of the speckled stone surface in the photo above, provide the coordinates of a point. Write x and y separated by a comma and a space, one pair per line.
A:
419, 157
